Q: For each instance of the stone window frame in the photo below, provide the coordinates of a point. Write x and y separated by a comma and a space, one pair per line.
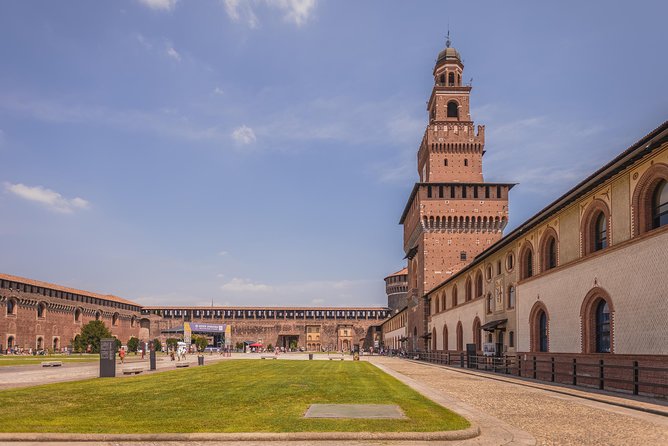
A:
460, 336
489, 302
588, 226
44, 306
550, 233
477, 337
527, 247
454, 295
588, 319
534, 326
468, 289
641, 202
510, 261
15, 307
478, 284
510, 305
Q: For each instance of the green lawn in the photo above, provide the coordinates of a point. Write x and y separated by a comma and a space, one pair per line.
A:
32, 360
229, 396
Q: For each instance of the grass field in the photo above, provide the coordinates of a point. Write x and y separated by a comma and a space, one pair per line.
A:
32, 360
229, 396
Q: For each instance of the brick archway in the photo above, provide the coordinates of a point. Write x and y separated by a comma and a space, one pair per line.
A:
641, 203
588, 319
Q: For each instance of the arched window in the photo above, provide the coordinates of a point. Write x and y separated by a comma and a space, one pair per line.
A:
660, 205
650, 199
478, 284
597, 316
476, 334
466, 163
548, 250
526, 260
10, 342
595, 227
133, 321
98, 315
441, 79
453, 110
77, 315
11, 307
433, 339
40, 343
451, 79
511, 339
490, 302
460, 337
41, 310
601, 232
511, 297
539, 326
443, 301
468, 289
445, 162
542, 334
56, 344
602, 327
114, 319
445, 337
454, 296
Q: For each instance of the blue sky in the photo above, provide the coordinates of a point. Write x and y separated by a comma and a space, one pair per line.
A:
260, 152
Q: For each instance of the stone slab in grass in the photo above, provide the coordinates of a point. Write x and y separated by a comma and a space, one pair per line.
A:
368, 411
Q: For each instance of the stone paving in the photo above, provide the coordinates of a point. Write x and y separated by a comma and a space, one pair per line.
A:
553, 419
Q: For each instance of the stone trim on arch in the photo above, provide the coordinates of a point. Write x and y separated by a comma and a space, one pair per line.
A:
477, 337
543, 248
525, 273
534, 326
641, 202
460, 336
588, 319
588, 225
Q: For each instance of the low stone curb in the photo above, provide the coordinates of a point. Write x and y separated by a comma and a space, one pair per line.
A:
464, 434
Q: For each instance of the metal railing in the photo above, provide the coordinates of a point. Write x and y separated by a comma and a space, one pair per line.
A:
629, 377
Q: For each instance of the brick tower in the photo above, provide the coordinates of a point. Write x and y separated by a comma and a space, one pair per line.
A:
452, 214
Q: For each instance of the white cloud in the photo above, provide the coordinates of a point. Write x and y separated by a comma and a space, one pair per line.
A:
47, 197
223, 253
143, 41
318, 301
294, 11
237, 285
241, 11
218, 91
159, 5
171, 52
244, 135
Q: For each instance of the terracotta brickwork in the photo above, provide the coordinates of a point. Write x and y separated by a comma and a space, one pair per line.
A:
396, 287
339, 329
452, 215
41, 316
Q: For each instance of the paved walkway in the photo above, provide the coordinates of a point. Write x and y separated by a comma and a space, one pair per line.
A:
552, 418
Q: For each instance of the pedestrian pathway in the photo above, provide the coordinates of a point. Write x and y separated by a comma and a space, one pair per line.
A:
551, 418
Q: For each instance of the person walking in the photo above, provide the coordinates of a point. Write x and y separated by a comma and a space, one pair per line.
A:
121, 353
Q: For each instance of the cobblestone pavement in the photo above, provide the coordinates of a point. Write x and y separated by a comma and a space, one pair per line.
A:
553, 419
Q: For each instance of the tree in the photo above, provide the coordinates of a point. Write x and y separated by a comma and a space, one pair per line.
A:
91, 333
172, 343
133, 344
293, 345
201, 342
239, 345
157, 345
270, 348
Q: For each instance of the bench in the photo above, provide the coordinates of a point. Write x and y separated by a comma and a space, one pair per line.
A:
331, 358
52, 363
268, 357
137, 369
180, 365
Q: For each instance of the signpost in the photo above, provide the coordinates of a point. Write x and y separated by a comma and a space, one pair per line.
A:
151, 347
187, 334
107, 358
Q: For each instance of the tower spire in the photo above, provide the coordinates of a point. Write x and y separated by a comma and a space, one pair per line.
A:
447, 40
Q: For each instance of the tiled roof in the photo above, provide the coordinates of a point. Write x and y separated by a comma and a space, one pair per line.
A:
53, 286
402, 272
